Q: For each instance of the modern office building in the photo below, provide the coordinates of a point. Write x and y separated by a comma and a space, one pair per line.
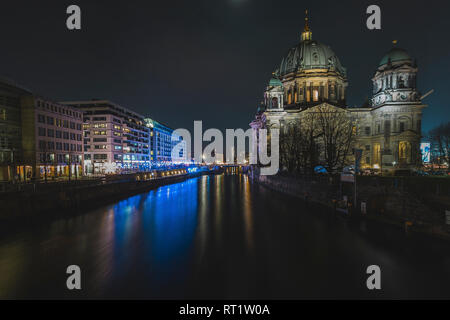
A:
161, 143
116, 139
39, 139
51, 139
10, 129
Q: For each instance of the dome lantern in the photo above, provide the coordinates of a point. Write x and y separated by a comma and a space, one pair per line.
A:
306, 34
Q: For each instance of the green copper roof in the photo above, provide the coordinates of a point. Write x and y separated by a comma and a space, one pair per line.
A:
310, 54
396, 54
275, 82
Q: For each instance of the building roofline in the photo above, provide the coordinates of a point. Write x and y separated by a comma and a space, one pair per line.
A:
13, 83
160, 123
80, 103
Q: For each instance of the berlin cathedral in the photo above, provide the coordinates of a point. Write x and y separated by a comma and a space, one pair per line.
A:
387, 127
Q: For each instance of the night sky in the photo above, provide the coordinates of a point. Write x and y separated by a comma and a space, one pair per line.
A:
210, 60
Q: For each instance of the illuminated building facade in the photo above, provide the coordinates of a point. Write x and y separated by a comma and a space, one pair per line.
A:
51, 138
161, 143
116, 139
39, 138
387, 129
392, 124
311, 74
11, 157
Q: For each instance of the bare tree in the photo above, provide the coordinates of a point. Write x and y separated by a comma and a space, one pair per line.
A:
335, 134
310, 151
323, 135
298, 147
440, 140
289, 147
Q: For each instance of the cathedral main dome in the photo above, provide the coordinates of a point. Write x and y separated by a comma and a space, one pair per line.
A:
307, 55
309, 74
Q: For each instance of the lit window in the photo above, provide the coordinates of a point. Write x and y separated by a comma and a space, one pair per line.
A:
376, 153
316, 95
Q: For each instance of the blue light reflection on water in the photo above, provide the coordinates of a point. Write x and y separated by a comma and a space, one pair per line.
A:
216, 237
157, 229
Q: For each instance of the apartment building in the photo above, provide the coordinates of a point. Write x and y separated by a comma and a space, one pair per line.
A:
161, 142
52, 142
115, 140
10, 129
39, 138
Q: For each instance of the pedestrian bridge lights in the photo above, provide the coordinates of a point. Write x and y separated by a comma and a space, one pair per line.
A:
259, 142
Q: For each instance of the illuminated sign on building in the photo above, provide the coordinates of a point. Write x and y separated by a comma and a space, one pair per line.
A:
425, 148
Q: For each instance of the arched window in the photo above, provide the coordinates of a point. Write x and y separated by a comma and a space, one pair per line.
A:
401, 82
376, 153
315, 95
275, 102
404, 152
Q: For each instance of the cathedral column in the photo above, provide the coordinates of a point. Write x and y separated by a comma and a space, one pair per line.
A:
321, 91
395, 146
295, 98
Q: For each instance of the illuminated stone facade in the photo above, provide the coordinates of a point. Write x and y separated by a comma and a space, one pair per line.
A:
116, 139
52, 139
39, 138
387, 129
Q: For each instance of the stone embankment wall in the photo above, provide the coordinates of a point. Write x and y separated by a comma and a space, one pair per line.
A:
59, 200
418, 203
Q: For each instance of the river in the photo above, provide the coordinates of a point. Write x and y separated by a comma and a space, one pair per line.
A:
217, 237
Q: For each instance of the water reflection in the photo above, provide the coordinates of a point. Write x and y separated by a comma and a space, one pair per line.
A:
217, 237
11, 268
247, 212
202, 222
219, 196
155, 230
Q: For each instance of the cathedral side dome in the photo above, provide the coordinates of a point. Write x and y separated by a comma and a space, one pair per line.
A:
395, 55
395, 79
275, 82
